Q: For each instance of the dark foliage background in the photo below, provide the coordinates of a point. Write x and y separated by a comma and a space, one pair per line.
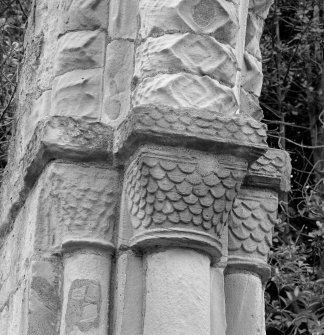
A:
293, 104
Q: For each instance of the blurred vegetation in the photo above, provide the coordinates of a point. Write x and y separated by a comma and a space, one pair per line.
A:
13, 15
293, 104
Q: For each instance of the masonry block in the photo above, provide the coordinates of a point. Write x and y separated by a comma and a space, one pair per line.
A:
44, 302
216, 18
80, 206
123, 17
201, 55
78, 94
252, 76
184, 90
117, 81
83, 15
80, 50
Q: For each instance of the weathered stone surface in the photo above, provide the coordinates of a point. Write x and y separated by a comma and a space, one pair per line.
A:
83, 15
179, 196
44, 297
55, 138
44, 20
86, 292
272, 170
184, 90
249, 104
203, 130
260, 7
177, 122
244, 304
177, 293
18, 318
252, 76
253, 34
40, 110
17, 250
79, 206
78, 94
201, 55
164, 189
217, 301
4, 320
129, 295
217, 18
123, 16
80, 50
117, 81
251, 223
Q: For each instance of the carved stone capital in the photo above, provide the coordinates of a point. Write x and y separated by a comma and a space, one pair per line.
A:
250, 229
181, 197
254, 213
78, 207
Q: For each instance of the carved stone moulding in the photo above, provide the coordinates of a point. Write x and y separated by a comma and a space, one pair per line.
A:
78, 207
272, 171
240, 135
251, 223
254, 213
181, 197
55, 137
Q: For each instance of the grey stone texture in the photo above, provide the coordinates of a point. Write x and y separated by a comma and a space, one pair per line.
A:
140, 194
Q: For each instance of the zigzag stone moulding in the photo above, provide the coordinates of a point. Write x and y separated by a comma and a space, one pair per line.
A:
179, 196
196, 54
216, 18
252, 76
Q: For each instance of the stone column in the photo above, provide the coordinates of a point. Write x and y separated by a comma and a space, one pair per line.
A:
148, 92
251, 224
186, 151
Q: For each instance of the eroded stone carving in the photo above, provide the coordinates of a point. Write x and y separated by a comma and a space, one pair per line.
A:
272, 169
254, 213
217, 18
80, 50
201, 55
82, 15
83, 308
187, 190
78, 94
251, 224
185, 91
174, 125
80, 206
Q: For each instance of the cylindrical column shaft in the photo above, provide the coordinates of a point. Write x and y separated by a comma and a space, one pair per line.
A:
217, 302
177, 293
86, 292
244, 304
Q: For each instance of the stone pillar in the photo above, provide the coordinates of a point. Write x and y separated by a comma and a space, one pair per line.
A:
148, 92
251, 224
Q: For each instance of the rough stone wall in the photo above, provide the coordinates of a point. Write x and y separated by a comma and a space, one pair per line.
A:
140, 194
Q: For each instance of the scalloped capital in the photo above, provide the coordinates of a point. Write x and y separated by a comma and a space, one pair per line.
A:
181, 197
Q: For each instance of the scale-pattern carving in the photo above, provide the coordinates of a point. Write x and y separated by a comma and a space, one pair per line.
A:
273, 163
250, 225
171, 191
150, 120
